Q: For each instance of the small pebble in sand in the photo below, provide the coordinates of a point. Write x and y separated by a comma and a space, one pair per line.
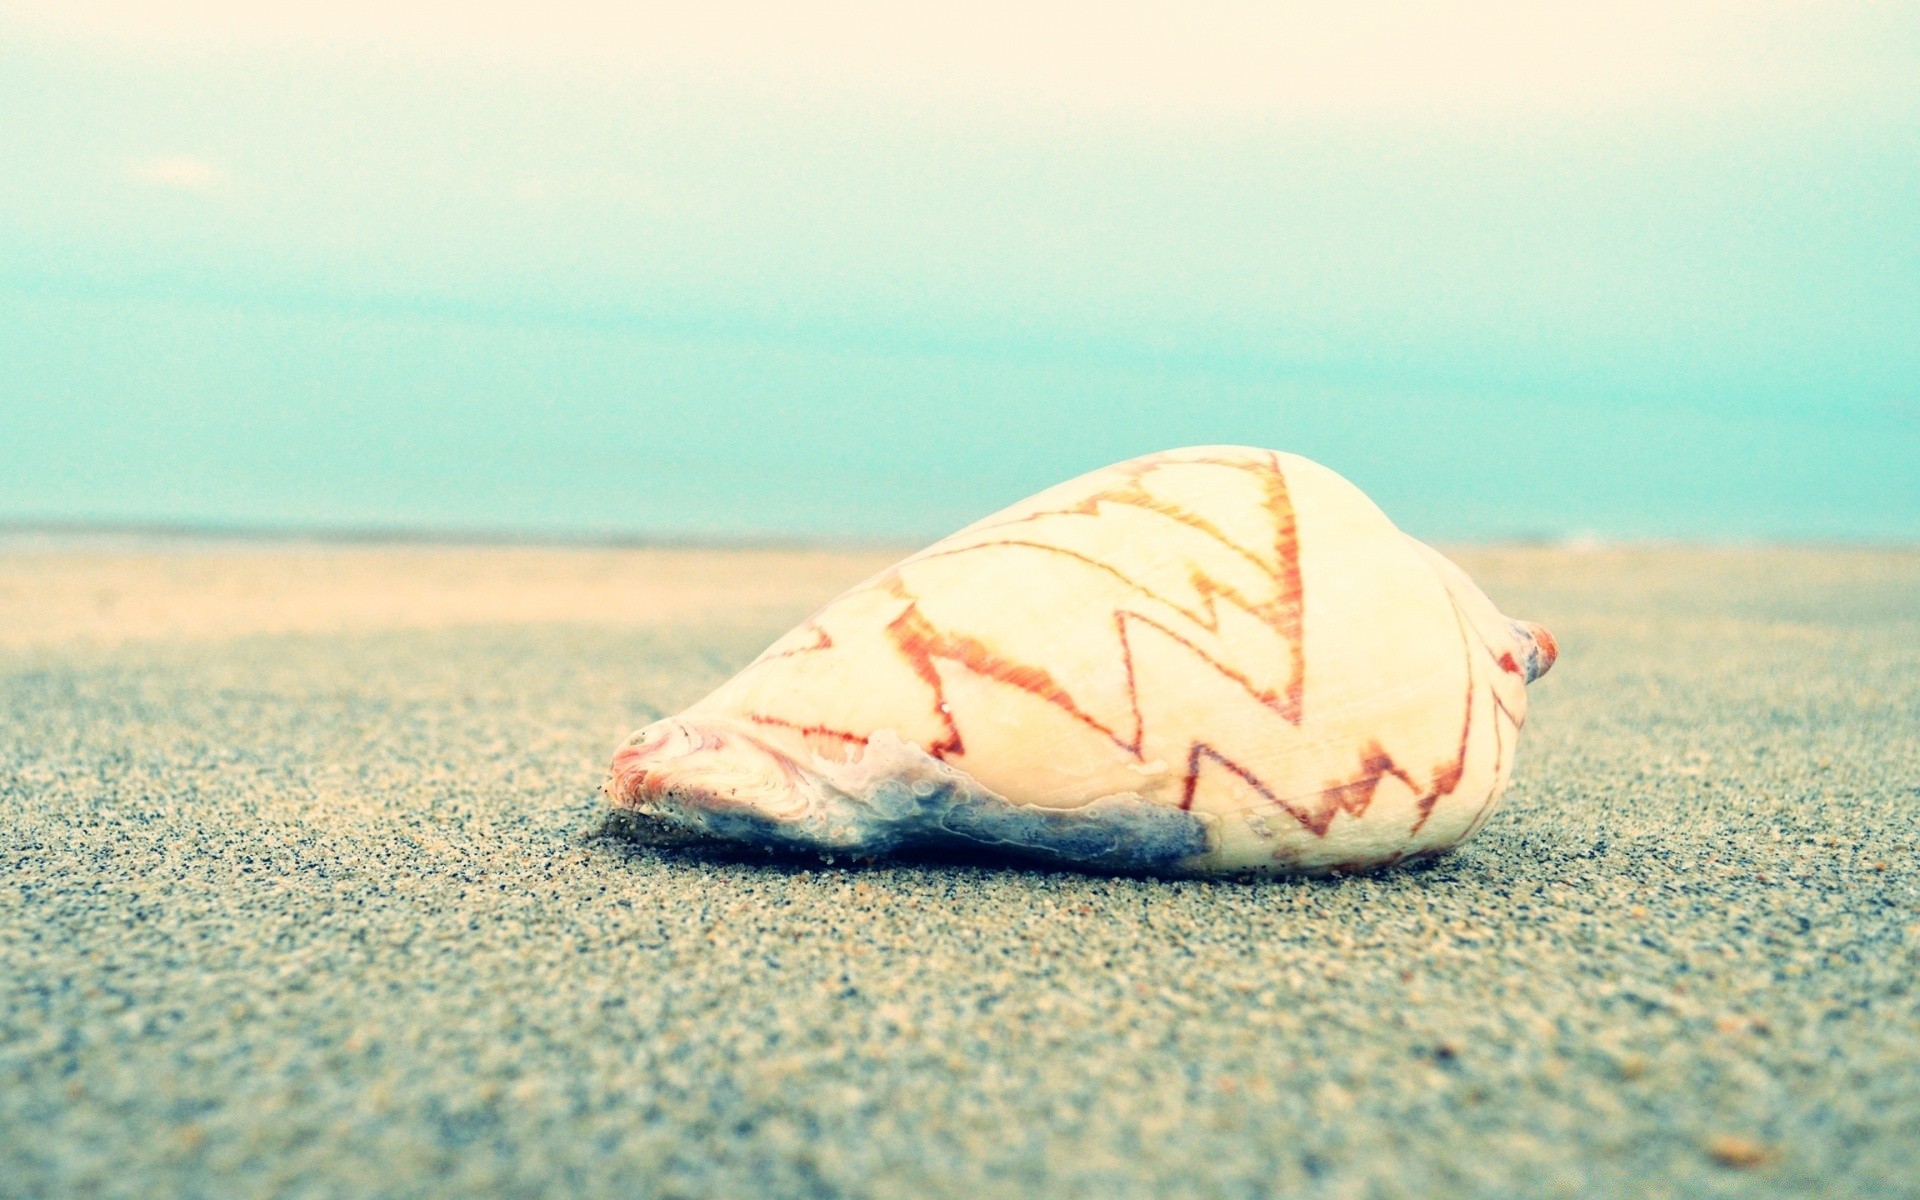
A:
1732, 1150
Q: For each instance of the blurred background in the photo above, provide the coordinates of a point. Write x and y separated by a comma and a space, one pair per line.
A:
868, 271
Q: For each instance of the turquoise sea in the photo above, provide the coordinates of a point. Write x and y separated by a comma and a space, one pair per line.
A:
1622, 272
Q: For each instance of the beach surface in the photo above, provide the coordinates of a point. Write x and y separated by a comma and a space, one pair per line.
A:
305, 890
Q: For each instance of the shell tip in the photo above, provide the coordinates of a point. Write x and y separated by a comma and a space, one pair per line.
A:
1544, 650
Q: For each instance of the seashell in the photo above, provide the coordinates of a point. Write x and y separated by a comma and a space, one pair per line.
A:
1210, 660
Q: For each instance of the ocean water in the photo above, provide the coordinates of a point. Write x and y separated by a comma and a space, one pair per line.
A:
1628, 272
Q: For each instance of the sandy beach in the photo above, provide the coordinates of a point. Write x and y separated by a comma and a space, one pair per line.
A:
305, 891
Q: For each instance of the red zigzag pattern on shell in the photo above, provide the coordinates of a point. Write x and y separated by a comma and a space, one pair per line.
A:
920, 642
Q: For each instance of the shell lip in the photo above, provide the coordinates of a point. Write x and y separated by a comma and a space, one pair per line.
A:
703, 775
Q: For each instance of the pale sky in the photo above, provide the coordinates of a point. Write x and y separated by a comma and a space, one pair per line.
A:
875, 269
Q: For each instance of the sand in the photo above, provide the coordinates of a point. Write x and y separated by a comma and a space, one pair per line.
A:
302, 894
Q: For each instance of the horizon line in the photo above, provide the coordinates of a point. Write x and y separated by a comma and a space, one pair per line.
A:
349, 533
480, 537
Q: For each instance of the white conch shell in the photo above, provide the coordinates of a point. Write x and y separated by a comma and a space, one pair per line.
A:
1212, 660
